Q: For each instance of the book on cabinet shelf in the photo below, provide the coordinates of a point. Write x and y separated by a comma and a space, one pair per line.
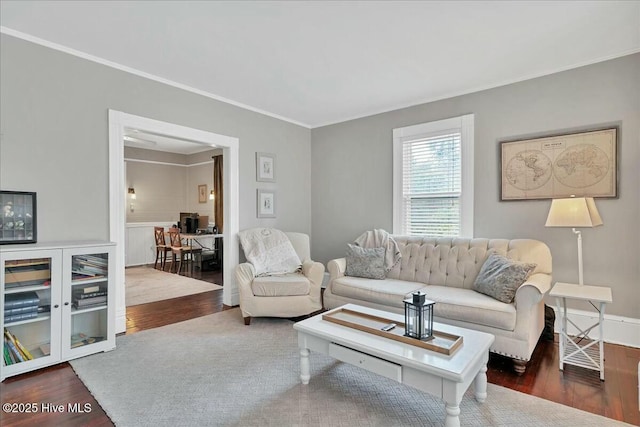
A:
21, 306
88, 266
21, 299
10, 311
21, 316
14, 348
23, 273
90, 302
89, 296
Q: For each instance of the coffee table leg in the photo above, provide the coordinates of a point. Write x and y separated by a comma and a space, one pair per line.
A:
304, 366
453, 412
481, 385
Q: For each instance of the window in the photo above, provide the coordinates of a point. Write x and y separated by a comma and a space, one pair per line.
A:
433, 178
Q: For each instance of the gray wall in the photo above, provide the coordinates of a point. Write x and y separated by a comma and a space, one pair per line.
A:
54, 126
352, 171
53, 140
161, 192
168, 184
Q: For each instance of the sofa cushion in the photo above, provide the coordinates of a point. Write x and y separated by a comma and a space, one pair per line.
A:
365, 262
500, 277
389, 292
282, 285
470, 306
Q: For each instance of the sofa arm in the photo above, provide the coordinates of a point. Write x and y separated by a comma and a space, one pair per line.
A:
336, 268
314, 271
534, 289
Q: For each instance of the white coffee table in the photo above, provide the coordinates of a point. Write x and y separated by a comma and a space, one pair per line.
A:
443, 376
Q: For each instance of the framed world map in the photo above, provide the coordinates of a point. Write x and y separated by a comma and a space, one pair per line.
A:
580, 164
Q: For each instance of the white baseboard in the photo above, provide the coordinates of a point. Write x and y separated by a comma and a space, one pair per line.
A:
121, 321
617, 329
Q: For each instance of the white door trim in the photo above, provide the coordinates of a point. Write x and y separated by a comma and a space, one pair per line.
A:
118, 122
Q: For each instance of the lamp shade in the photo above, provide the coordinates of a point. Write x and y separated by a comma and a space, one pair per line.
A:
573, 212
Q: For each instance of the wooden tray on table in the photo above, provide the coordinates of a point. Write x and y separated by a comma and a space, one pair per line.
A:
441, 342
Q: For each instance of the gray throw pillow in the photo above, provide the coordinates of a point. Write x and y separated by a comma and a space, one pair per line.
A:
500, 277
365, 262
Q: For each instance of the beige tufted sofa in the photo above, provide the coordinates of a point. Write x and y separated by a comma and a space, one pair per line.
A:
445, 269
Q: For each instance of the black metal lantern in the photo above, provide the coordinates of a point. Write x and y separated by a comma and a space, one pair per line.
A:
418, 317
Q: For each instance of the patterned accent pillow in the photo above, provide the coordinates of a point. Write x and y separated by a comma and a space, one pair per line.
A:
365, 262
500, 277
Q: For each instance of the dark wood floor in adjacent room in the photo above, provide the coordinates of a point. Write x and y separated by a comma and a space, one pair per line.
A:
616, 398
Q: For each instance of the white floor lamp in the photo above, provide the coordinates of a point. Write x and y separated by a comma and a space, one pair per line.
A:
574, 212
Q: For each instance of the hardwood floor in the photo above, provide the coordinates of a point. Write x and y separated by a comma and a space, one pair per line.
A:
616, 398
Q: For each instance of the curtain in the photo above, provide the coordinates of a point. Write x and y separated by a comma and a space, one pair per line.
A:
218, 202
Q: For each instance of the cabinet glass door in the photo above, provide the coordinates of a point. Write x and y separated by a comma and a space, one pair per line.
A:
30, 310
87, 302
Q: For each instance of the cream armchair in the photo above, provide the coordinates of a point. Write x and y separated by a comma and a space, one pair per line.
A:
285, 295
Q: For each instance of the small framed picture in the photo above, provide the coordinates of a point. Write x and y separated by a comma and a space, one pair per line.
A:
202, 193
17, 217
265, 167
266, 204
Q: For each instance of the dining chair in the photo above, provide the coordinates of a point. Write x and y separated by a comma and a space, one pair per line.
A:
181, 252
162, 249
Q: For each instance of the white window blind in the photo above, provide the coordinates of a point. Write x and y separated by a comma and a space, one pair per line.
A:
429, 185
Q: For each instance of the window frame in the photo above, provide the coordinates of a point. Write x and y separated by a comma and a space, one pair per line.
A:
463, 124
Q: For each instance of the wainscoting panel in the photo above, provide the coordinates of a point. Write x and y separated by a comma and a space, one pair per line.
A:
140, 247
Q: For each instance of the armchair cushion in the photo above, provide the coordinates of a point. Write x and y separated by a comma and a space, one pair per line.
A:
269, 251
281, 285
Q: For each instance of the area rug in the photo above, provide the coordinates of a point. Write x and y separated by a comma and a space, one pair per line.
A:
145, 284
216, 371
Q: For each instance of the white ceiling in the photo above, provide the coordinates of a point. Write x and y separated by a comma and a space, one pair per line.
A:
149, 141
317, 63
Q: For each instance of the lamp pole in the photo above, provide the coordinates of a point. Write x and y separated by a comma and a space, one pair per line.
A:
579, 234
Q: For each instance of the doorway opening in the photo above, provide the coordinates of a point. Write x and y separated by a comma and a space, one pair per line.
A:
172, 183
122, 123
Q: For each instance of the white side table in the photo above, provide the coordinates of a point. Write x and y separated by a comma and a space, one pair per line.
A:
572, 352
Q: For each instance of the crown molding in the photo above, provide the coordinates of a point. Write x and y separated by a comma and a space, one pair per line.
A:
74, 52
477, 89
130, 70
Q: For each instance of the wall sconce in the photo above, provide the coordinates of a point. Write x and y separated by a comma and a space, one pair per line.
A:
212, 195
132, 194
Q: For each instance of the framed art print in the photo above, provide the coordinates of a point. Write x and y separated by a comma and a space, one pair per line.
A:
266, 204
582, 164
265, 167
202, 193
